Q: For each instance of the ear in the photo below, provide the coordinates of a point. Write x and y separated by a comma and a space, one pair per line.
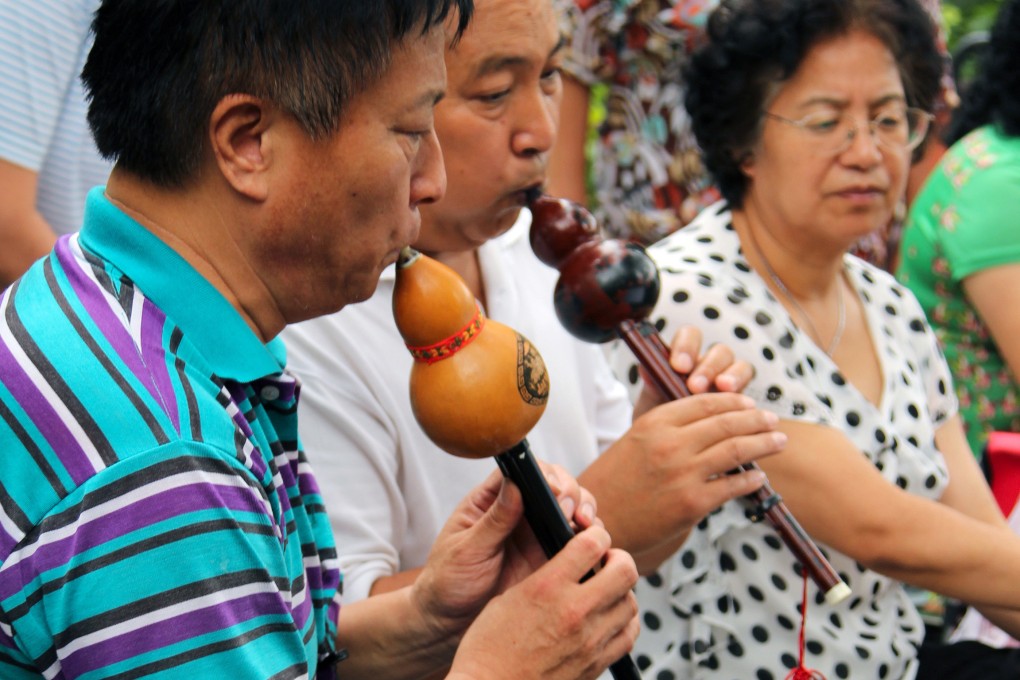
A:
747, 164
240, 145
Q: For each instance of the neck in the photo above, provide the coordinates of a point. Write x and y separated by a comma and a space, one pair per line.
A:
465, 263
810, 288
195, 221
809, 273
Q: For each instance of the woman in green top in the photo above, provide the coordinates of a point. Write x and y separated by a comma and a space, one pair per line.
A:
961, 244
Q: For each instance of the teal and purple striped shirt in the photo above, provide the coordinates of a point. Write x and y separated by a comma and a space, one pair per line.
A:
157, 514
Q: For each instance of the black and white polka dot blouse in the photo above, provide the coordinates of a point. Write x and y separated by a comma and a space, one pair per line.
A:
726, 606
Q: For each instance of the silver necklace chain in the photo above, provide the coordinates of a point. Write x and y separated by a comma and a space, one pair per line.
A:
841, 319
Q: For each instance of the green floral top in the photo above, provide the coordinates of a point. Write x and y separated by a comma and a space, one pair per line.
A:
966, 219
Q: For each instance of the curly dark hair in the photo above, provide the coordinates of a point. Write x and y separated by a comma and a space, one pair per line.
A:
994, 94
755, 44
157, 69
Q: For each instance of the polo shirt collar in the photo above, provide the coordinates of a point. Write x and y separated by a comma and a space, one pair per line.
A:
206, 318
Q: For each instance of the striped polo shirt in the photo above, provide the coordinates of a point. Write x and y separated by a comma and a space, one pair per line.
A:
157, 514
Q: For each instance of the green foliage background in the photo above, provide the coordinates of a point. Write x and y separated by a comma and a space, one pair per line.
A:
966, 16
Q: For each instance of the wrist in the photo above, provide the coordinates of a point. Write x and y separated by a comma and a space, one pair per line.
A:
438, 630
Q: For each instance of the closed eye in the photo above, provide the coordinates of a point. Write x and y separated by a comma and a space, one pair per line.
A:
889, 121
414, 134
822, 125
494, 97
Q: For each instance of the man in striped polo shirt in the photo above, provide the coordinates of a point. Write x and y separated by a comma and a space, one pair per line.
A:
157, 514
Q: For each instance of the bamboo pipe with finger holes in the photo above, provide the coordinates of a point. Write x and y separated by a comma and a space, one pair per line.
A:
477, 388
607, 288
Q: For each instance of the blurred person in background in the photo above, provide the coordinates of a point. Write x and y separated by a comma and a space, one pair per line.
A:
647, 178
48, 161
961, 246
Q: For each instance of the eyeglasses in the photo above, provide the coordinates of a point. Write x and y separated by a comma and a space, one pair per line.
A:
897, 129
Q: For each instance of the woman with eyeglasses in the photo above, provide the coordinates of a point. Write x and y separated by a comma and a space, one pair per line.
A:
808, 113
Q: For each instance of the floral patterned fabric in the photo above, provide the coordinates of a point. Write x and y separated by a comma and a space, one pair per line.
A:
965, 221
647, 171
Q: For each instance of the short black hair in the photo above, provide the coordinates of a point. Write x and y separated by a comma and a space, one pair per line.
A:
994, 94
158, 68
753, 45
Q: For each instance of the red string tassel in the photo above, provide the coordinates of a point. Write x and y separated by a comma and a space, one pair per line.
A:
801, 672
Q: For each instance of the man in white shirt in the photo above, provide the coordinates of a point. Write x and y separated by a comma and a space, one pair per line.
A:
653, 481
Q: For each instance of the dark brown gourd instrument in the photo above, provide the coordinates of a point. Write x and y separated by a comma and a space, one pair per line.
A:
606, 290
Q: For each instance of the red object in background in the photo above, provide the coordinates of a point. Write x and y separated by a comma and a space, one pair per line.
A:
1003, 452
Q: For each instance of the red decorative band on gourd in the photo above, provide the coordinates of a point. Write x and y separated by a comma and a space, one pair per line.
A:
451, 345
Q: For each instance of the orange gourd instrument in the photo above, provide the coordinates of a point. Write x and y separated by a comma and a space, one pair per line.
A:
477, 389
477, 386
